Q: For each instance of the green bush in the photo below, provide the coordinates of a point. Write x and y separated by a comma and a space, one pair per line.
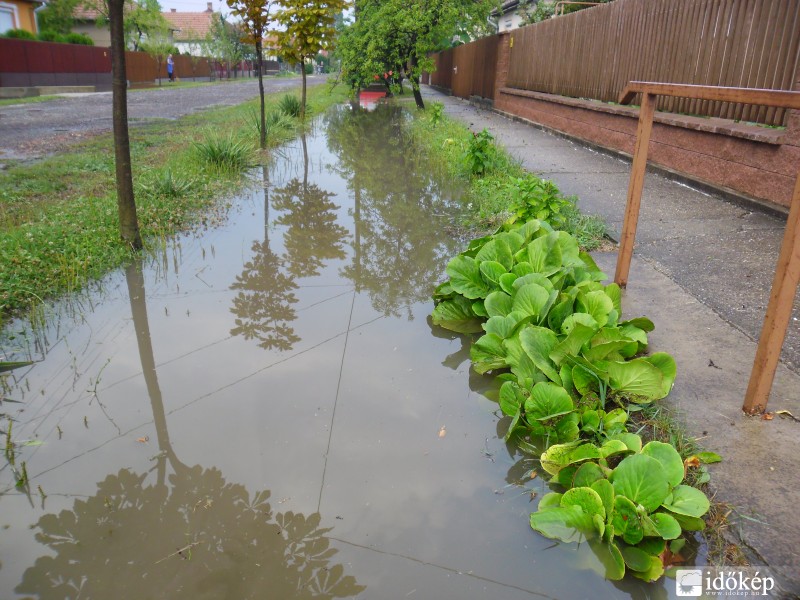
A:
79, 38
226, 153
51, 36
309, 69
19, 34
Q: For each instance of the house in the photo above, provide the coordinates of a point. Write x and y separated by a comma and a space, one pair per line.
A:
19, 14
190, 28
85, 21
511, 14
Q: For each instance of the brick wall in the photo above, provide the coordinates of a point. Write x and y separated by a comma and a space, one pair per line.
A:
753, 161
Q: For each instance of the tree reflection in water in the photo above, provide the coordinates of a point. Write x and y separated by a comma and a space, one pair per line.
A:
263, 306
189, 535
313, 235
399, 252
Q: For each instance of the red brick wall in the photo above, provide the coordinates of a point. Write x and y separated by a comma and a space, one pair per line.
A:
712, 151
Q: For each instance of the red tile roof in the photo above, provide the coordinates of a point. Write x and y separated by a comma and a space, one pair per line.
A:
190, 25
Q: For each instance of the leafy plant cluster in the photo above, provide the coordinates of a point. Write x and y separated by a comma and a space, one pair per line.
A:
572, 371
50, 36
481, 154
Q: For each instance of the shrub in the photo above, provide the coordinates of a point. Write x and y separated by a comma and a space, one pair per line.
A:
51, 36
19, 34
225, 153
79, 38
290, 105
480, 153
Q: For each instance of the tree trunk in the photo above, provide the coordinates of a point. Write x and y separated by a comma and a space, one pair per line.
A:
415, 83
126, 204
303, 97
262, 130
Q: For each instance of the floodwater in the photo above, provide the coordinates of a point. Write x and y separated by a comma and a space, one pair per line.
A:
262, 410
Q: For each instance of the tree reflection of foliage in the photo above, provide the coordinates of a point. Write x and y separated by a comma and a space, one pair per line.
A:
400, 251
124, 542
313, 235
263, 307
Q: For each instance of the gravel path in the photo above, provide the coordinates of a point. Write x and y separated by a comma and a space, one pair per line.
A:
30, 131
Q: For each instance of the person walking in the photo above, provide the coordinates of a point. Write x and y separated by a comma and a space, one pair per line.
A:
170, 68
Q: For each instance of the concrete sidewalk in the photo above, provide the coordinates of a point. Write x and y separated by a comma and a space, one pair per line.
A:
702, 271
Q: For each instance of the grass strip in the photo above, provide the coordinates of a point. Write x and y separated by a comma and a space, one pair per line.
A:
59, 226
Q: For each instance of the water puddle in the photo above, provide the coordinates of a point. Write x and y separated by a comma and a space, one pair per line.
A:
264, 410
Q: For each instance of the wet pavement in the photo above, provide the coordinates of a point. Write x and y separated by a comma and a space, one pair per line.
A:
702, 270
262, 410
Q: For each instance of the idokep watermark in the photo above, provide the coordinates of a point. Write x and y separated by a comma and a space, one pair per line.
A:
724, 582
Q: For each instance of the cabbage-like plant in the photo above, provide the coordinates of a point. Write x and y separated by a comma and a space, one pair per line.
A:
629, 513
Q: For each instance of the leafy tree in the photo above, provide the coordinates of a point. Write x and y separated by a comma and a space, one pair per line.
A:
57, 16
398, 35
254, 15
158, 46
223, 43
143, 21
308, 27
126, 203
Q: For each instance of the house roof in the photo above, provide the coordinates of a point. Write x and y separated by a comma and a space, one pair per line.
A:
88, 11
190, 25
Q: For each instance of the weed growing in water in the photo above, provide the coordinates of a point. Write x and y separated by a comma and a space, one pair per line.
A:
167, 185
290, 105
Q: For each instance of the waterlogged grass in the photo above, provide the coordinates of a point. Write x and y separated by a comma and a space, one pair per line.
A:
498, 188
29, 100
59, 226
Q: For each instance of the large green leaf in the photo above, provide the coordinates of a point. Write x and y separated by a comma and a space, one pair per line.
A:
666, 364
456, 315
669, 458
597, 304
604, 489
688, 501
511, 398
549, 500
488, 353
614, 292
653, 573
496, 250
465, 277
507, 282
587, 474
576, 319
560, 311
505, 327
642, 480
536, 278
538, 343
491, 272
532, 299
498, 304
635, 559
609, 556
547, 401
637, 376
666, 526
572, 344
586, 498
625, 521
556, 457
544, 255
564, 523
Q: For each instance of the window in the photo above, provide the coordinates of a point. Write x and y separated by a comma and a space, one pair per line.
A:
8, 17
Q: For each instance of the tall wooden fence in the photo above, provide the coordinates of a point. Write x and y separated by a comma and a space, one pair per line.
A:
468, 70
24, 63
594, 53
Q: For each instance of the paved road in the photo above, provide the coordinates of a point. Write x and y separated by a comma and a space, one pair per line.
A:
29, 131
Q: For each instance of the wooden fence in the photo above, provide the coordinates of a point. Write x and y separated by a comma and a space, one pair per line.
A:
593, 53
468, 70
25, 63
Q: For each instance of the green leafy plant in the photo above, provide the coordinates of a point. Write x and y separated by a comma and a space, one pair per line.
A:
279, 126
481, 153
532, 198
437, 111
629, 513
166, 185
225, 153
290, 105
19, 34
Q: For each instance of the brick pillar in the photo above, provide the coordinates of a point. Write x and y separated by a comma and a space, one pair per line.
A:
501, 73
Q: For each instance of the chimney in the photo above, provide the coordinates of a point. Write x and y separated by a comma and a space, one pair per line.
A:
173, 10
209, 9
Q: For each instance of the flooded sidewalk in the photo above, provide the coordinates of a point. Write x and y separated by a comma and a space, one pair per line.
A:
702, 270
262, 409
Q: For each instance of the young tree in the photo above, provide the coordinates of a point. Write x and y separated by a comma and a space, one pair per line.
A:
308, 27
143, 20
126, 203
255, 18
158, 46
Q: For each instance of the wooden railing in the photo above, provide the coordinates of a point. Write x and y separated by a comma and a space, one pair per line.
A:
787, 273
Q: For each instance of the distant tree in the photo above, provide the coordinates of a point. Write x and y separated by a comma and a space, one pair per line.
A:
159, 46
126, 203
307, 27
57, 16
143, 20
254, 15
223, 43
